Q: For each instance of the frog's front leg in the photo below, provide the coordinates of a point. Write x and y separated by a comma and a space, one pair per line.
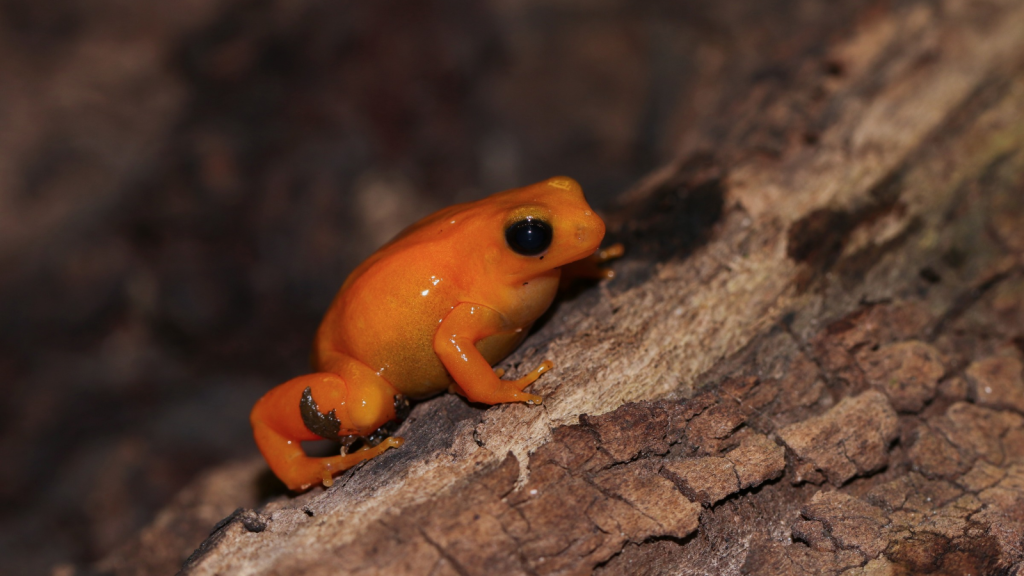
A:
455, 345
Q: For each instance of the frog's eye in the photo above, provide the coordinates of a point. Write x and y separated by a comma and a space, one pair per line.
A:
529, 236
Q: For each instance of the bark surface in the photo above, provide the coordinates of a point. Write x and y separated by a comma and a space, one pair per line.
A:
811, 362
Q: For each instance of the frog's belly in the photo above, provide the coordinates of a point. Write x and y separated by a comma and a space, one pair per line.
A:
414, 370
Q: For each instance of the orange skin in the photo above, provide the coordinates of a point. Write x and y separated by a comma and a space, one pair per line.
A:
430, 311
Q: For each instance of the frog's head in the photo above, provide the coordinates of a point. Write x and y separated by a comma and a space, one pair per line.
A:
544, 226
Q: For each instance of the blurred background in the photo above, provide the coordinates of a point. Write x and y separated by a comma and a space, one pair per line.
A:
184, 184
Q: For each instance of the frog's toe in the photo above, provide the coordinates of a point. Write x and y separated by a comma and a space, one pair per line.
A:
610, 253
534, 375
533, 399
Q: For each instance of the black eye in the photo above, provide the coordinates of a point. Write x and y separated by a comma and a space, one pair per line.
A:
529, 237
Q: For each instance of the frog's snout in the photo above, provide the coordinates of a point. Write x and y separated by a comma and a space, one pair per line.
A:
589, 231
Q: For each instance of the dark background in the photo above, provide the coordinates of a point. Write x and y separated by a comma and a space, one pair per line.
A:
185, 183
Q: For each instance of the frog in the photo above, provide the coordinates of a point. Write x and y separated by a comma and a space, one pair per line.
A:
432, 310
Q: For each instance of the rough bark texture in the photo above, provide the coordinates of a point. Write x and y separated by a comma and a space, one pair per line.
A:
811, 363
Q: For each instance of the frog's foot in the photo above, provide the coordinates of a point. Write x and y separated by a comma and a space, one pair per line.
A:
334, 464
590, 268
533, 375
509, 390
610, 253
531, 378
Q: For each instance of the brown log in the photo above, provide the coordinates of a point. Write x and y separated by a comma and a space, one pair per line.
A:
810, 363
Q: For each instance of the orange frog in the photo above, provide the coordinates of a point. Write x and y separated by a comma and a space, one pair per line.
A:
431, 310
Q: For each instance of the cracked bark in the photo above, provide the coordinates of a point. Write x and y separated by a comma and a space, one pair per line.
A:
844, 274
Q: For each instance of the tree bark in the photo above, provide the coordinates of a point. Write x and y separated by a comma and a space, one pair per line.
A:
811, 361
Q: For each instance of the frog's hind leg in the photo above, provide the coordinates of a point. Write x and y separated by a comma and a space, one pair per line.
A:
321, 405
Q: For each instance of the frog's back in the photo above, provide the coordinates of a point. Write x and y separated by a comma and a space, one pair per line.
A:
430, 230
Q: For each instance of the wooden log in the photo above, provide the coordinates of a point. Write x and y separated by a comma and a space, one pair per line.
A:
810, 363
